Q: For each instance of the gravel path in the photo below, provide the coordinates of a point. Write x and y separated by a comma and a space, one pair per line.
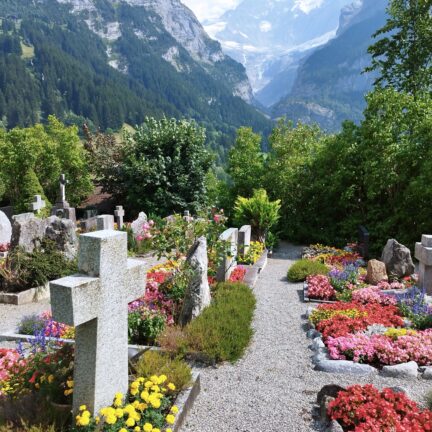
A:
273, 388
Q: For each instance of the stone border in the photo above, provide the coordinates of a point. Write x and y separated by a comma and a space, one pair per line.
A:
32, 295
324, 363
253, 271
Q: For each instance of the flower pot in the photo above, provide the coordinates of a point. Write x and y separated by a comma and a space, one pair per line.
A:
61, 413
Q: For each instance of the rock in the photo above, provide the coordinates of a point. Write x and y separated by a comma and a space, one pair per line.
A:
398, 389
320, 355
403, 370
5, 229
345, 367
325, 401
331, 390
376, 272
334, 427
28, 231
318, 344
137, 224
312, 334
427, 374
309, 311
197, 296
397, 259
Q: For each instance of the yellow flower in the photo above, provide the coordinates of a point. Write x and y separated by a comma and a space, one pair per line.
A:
123, 430
148, 427
97, 419
155, 403
111, 419
170, 419
137, 429
154, 379
42, 378
136, 404
119, 396
155, 388
148, 384
162, 379
70, 383
118, 403
130, 422
86, 414
134, 391
119, 413
37, 385
174, 409
168, 430
50, 379
171, 386
83, 421
156, 430
145, 396
82, 407
68, 392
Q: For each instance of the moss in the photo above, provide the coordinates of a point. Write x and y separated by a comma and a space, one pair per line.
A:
300, 270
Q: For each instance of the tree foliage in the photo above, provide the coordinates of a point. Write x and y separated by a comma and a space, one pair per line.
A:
403, 55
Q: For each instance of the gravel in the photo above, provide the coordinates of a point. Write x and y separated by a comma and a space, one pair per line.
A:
274, 387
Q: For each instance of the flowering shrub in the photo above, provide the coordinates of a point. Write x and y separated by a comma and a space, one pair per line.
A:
383, 349
10, 360
384, 285
324, 314
365, 408
344, 278
255, 251
238, 274
147, 407
414, 306
372, 295
319, 287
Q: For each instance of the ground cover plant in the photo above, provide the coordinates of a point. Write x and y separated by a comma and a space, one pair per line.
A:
365, 408
303, 268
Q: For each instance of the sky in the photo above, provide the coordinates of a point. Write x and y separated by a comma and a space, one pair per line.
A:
210, 9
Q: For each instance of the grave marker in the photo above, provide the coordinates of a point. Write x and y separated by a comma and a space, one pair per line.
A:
423, 252
62, 208
244, 238
105, 222
119, 214
96, 303
230, 236
38, 204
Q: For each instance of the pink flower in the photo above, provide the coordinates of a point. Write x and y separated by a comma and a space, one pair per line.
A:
140, 238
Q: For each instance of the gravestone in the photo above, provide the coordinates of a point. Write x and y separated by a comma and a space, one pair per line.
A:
397, 259
197, 296
105, 222
230, 237
137, 224
62, 208
423, 252
244, 238
38, 204
363, 242
96, 303
119, 214
5, 229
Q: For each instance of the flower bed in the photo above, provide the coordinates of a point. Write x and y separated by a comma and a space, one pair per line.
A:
365, 408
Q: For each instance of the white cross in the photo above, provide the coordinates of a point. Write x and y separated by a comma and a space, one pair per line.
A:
96, 303
119, 214
38, 204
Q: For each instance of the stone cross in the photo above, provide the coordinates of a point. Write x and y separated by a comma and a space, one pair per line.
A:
244, 238
119, 214
229, 261
423, 252
38, 204
62, 180
96, 303
105, 222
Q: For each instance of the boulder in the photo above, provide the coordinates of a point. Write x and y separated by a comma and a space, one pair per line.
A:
137, 224
427, 373
397, 259
376, 272
345, 367
5, 229
403, 370
197, 296
334, 427
28, 231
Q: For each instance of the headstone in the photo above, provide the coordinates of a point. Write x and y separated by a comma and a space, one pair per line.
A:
244, 238
423, 252
89, 224
187, 216
229, 261
62, 209
38, 204
96, 303
138, 223
197, 296
376, 272
105, 222
363, 242
119, 214
5, 229
397, 259
28, 231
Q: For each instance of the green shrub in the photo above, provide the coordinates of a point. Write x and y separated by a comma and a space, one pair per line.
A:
144, 326
158, 363
300, 270
23, 270
223, 331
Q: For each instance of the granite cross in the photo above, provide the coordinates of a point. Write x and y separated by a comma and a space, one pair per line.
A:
119, 214
423, 252
62, 180
38, 204
96, 303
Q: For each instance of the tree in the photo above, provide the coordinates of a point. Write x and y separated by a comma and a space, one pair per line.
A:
246, 163
163, 168
403, 56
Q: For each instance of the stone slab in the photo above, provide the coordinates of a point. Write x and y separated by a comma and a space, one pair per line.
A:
32, 295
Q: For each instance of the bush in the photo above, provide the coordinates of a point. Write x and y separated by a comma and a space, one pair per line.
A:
223, 331
26, 428
23, 270
157, 363
300, 270
144, 326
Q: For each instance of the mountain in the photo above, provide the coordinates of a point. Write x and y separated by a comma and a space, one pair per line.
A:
330, 87
270, 37
112, 62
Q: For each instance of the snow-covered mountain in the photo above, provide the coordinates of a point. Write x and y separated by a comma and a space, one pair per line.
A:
269, 37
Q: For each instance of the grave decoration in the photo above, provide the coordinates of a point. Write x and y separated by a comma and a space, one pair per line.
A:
62, 208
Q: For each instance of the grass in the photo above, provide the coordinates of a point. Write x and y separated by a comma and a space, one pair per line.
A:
28, 52
300, 270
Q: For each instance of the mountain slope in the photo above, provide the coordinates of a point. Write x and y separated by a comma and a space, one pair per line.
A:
330, 87
117, 61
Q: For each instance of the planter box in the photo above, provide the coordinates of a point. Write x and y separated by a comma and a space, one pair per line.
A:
32, 295
253, 271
